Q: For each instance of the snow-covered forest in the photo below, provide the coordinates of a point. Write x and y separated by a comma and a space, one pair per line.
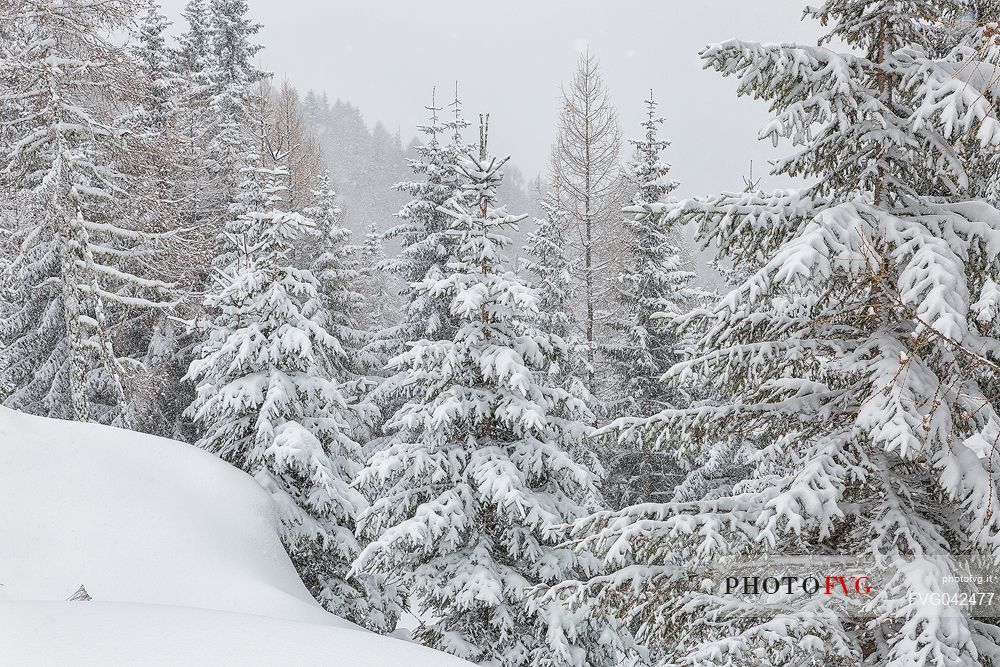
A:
514, 418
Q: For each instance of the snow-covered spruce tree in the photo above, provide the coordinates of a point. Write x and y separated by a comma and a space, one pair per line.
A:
550, 266
954, 26
336, 269
548, 261
267, 399
976, 60
231, 80
193, 64
477, 468
155, 67
149, 121
332, 266
851, 366
70, 280
651, 285
193, 57
378, 288
426, 247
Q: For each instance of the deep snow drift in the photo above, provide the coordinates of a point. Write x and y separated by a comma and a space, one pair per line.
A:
178, 550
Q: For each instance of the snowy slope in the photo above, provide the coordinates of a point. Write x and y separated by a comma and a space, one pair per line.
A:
178, 549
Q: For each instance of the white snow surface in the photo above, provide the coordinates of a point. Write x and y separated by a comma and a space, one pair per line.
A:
179, 551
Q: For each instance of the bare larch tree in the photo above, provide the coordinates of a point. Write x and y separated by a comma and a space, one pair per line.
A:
586, 171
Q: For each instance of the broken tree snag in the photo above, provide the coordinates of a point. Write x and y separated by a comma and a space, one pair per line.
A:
81, 595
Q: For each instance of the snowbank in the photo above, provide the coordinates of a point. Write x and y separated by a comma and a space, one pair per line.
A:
178, 550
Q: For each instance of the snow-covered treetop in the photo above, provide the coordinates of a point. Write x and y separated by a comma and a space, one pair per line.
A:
647, 170
866, 122
878, 29
231, 30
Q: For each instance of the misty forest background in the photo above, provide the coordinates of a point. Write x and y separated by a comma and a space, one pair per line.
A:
516, 419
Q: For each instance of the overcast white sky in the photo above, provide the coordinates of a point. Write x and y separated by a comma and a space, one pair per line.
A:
509, 58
